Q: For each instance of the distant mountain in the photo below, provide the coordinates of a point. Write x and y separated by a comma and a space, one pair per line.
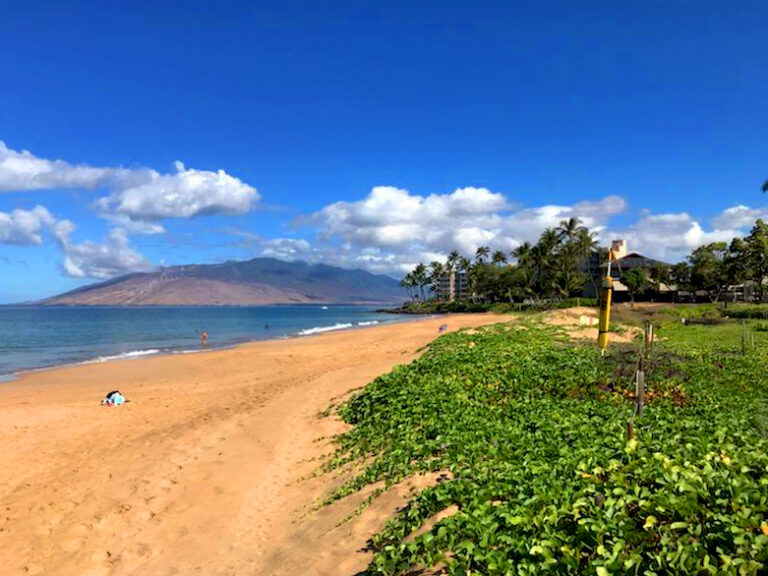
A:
257, 281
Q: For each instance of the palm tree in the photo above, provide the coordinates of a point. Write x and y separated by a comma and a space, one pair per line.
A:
543, 259
576, 243
482, 253
586, 242
421, 278
568, 229
436, 271
453, 258
499, 258
408, 283
588, 248
549, 239
522, 253
765, 186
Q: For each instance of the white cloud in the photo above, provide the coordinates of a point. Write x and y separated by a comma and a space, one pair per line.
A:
529, 223
134, 226
99, 260
25, 171
391, 228
739, 217
185, 194
671, 237
287, 249
83, 260
138, 194
388, 231
25, 227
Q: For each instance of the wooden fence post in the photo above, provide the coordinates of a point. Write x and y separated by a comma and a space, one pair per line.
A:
743, 337
640, 375
640, 389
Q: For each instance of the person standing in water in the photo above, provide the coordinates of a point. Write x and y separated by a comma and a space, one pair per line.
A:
204, 338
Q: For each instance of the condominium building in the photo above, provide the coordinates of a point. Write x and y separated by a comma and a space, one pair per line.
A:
452, 286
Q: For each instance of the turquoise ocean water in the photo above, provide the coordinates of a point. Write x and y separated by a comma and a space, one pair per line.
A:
40, 337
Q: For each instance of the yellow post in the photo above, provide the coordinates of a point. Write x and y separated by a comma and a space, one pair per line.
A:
605, 306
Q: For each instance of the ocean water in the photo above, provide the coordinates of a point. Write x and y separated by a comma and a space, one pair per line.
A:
40, 337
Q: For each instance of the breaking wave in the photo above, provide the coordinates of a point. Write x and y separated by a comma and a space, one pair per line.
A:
123, 356
320, 329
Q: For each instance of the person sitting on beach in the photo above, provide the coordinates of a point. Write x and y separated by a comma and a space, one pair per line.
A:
204, 338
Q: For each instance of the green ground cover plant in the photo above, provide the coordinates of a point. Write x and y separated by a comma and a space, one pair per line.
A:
747, 311
716, 310
539, 475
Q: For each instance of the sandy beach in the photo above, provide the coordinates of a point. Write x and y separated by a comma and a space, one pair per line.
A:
205, 471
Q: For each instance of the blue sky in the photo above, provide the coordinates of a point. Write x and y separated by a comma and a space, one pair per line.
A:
369, 134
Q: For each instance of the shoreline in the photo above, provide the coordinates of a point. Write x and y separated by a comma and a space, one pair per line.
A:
16, 375
212, 458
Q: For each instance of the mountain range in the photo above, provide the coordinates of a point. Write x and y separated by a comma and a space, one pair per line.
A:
252, 282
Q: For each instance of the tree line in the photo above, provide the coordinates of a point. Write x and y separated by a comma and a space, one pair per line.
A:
555, 268
547, 269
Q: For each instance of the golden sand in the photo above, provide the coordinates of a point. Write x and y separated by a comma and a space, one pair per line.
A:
204, 471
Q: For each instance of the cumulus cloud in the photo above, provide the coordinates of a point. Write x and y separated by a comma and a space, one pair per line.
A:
25, 171
83, 260
134, 226
529, 223
739, 217
137, 194
98, 260
288, 249
184, 194
391, 228
671, 237
25, 227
